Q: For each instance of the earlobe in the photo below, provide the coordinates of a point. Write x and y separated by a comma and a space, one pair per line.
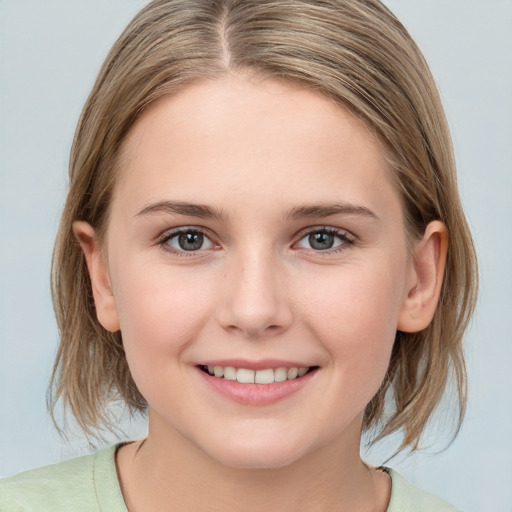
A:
427, 272
104, 300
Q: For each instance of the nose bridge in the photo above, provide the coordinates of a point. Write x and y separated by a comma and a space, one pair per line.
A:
254, 300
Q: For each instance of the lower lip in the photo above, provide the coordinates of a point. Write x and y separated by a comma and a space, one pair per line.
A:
256, 394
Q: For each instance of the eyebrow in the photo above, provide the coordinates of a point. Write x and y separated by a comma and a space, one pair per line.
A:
295, 213
326, 210
183, 208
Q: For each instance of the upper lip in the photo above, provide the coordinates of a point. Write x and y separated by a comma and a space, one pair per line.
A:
261, 364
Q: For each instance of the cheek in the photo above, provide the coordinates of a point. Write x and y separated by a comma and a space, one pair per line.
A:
356, 317
160, 312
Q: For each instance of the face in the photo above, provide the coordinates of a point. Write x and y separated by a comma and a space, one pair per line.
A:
255, 234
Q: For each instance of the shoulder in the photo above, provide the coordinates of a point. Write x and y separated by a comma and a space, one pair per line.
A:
78, 484
406, 497
49, 488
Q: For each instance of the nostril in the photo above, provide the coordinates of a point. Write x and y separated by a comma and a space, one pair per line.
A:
234, 328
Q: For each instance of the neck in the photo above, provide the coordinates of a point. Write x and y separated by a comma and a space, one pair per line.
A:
169, 473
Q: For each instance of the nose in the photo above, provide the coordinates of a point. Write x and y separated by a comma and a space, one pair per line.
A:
254, 301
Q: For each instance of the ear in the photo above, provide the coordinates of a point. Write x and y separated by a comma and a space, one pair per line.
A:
104, 300
426, 279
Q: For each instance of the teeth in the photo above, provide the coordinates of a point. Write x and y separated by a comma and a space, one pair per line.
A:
230, 373
292, 373
267, 376
245, 376
264, 377
280, 374
302, 371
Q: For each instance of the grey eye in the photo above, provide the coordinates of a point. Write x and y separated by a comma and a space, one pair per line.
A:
324, 240
321, 241
189, 241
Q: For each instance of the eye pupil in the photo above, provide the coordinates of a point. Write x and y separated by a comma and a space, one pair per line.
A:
190, 241
321, 241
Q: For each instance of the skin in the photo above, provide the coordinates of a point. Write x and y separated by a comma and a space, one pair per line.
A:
258, 153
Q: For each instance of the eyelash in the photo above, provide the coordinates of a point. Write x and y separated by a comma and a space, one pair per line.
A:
164, 240
346, 240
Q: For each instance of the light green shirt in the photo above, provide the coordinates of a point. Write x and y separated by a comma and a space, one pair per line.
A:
90, 484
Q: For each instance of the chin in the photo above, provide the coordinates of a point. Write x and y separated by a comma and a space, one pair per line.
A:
257, 459
256, 453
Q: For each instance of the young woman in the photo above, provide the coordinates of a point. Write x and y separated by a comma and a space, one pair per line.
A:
263, 247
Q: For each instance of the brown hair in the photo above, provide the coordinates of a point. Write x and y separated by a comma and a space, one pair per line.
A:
353, 51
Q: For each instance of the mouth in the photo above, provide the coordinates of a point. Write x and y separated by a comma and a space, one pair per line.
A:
263, 376
256, 383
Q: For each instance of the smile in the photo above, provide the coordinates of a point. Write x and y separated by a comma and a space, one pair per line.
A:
248, 376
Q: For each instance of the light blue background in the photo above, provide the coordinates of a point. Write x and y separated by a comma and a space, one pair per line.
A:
50, 53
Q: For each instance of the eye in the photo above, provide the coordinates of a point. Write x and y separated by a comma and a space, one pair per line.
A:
325, 239
187, 240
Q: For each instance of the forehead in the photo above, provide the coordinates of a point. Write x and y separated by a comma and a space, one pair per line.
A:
247, 138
